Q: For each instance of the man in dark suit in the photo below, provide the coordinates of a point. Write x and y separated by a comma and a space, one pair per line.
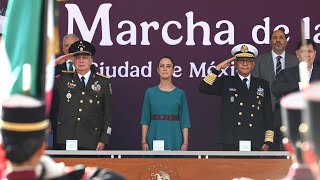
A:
84, 102
288, 80
66, 63
271, 63
246, 113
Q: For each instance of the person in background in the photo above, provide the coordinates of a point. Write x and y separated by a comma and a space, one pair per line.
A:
268, 65
165, 114
64, 62
246, 113
288, 80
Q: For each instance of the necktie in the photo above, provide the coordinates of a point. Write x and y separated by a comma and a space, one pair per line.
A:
83, 82
278, 66
70, 66
244, 80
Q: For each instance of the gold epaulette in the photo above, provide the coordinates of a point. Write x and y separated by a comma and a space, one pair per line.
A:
210, 78
269, 136
64, 71
103, 75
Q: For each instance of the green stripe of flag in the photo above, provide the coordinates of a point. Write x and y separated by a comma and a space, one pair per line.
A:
22, 39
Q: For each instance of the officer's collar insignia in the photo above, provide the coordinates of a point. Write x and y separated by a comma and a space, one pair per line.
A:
96, 86
244, 49
71, 85
260, 91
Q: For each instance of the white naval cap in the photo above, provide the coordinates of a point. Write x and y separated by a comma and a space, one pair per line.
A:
244, 51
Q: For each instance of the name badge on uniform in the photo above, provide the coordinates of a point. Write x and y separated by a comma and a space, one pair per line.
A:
71, 145
158, 145
260, 91
232, 89
244, 145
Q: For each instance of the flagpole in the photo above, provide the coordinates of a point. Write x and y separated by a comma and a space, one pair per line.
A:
43, 51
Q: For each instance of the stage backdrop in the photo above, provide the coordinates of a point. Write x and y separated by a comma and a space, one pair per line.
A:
131, 36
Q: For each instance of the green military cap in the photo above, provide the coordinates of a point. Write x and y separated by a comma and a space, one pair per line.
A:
82, 48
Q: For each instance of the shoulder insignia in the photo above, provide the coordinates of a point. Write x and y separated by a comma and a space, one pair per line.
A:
64, 71
103, 76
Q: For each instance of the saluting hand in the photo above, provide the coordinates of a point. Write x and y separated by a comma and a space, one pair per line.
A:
63, 58
100, 146
224, 64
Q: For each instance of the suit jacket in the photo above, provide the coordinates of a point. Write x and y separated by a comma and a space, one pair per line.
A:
84, 114
246, 114
287, 81
264, 68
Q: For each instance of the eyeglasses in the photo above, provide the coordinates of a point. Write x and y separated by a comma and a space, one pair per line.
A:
241, 61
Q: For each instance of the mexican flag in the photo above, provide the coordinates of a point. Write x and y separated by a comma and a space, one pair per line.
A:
27, 49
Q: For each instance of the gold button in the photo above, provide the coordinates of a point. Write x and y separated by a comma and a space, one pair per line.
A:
98, 102
96, 129
241, 104
250, 125
251, 115
239, 123
78, 119
81, 101
236, 95
253, 105
257, 97
80, 110
240, 113
83, 93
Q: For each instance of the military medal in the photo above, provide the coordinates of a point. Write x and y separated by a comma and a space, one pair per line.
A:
259, 102
68, 96
71, 84
90, 100
231, 99
260, 91
96, 86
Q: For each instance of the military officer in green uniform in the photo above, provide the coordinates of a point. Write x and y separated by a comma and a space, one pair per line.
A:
84, 103
246, 112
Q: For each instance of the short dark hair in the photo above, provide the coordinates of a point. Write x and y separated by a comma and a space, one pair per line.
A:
19, 148
306, 42
280, 29
166, 57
